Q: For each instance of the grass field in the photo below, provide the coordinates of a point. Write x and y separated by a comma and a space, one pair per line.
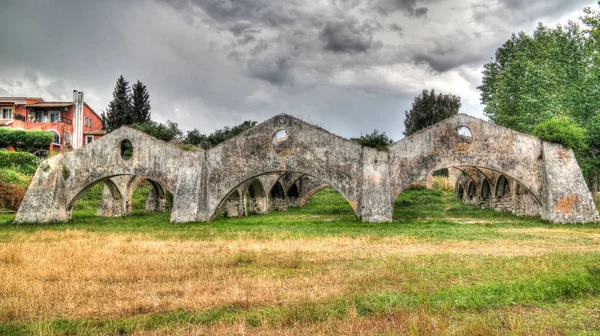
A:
440, 268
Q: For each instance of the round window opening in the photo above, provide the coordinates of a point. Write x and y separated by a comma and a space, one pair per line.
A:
465, 132
280, 136
126, 149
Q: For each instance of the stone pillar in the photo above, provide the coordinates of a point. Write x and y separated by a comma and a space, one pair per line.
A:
566, 197
453, 175
155, 202
47, 186
190, 201
376, 204
115, 207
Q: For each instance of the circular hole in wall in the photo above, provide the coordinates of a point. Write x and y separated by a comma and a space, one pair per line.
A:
281, 135
465, 132
126, 149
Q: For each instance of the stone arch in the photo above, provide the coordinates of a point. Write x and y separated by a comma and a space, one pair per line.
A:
157, 195
233, 206
502, 187
489, 147
306, 149
472, 190
277, 197
486, 192
110, 186
256, 197
460, 192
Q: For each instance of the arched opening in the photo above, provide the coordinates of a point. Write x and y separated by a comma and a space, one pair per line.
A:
472, 190
56, 140
256, 199
145, 194
68, 138
233, 206
277, 200
465, 133
461, 192
502, 187
89, 201
485, 190
302, 187
293, 195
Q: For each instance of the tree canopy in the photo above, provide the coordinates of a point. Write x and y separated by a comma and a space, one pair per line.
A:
166, 132
428, 109
128, 106
548, 84
194, 137
377, 140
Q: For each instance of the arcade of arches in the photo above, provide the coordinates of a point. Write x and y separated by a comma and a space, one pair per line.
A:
284, 161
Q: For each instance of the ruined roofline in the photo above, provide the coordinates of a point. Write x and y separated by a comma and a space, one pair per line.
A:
288, 116
153, 138
456, 116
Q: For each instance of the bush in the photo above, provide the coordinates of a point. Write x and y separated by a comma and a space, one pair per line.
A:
563, 131
377, 140
165, 132
22, 140
11, 196
24, 163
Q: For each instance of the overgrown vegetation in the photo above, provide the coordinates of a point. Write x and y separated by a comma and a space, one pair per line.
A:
24, 141
377, 140
194, 137
166, 132
563, 131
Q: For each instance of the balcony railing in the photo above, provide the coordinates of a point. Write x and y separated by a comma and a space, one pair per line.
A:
61, 120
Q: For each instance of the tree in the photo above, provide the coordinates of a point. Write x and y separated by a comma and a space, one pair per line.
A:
140, 101
428, 109
562, 130
539, 79
377, 140
165, 132
118, 112
194, 136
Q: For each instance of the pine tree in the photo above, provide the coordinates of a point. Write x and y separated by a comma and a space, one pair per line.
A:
118, 112
428, 109
140, 100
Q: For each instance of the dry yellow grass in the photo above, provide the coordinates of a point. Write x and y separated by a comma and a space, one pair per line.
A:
78, 274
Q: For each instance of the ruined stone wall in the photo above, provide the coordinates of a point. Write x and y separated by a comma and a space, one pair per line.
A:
203, 181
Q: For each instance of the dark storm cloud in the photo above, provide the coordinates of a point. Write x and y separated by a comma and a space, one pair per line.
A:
342, 36
349, 65
408, 7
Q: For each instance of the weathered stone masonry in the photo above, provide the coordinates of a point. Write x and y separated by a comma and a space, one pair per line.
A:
283, 161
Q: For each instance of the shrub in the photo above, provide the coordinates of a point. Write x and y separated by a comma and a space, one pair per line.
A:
377, 140
563, 131
23, 140
25, 163
165, 132
11, 196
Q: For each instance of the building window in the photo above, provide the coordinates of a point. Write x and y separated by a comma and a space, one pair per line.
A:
7, 113
54, 116
88, 139
67, 138
40, 117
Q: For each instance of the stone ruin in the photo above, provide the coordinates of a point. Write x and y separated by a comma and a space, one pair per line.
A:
283, 161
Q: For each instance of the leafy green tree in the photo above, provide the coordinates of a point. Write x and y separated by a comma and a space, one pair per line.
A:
118, 112
553, 73
562, 130
428, 109
194, 136
140, 101
377, 140
166, 132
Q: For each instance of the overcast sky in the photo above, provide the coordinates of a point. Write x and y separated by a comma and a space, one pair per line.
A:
349, 66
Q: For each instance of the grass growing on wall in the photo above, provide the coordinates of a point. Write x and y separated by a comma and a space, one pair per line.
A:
441, 267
